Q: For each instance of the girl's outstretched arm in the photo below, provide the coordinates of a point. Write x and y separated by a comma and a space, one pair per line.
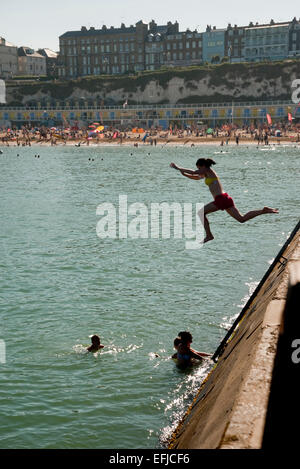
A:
197, 354
196, 176
187, 172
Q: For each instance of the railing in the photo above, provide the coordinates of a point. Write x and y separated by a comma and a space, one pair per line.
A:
148, 106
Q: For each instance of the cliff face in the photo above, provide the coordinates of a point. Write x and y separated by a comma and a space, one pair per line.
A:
211, 83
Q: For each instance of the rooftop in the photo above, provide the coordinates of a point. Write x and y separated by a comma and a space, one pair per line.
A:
28, 52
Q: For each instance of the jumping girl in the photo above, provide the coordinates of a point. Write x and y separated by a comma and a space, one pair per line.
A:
222, 201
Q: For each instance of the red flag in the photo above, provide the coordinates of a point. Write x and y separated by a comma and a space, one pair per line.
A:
269, 119
290, 117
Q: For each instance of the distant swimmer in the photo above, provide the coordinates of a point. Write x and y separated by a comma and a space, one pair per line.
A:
185, 353
222, 201
96, 345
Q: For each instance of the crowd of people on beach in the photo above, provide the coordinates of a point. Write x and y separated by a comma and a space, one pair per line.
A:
260, 134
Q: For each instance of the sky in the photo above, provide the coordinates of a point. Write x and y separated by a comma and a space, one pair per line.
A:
38, 24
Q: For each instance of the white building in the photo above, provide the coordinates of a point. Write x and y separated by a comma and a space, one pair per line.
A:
8, 59
267, 42
30, 62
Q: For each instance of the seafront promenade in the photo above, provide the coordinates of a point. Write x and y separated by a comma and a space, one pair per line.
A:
56, 113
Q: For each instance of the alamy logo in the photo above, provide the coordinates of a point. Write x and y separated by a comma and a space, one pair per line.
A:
137, 221
296, 92
2, 92
296, 353
2, 351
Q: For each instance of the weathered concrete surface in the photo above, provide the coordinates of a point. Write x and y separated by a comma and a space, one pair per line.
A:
230, 408
283, 415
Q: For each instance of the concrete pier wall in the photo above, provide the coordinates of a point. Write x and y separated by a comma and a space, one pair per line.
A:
231, 406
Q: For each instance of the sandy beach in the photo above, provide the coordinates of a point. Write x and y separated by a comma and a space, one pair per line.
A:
291, 139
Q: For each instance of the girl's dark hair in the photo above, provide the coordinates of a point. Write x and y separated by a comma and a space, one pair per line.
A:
177, 341
207, 162
95, 338
185, 336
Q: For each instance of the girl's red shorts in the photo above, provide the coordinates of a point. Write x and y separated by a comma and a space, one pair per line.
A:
223, 201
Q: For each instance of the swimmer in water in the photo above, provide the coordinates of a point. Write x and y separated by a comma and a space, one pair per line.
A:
185, 353
95, 339
176, 344
222, 201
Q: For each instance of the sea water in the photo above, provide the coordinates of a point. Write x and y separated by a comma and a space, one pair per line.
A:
60, 283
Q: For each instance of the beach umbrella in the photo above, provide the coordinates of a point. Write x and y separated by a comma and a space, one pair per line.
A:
209, 131
101, 127
92, 126
96, 123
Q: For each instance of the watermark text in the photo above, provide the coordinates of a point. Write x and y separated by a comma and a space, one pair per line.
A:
156, 221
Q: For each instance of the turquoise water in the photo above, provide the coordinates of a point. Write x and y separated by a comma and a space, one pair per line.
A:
60, 283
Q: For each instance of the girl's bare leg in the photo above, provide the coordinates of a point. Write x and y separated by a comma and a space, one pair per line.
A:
209, 208
233, 211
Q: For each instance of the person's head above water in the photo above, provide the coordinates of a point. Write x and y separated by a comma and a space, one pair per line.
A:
177, 341
95, 339
186, 337
96, 345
